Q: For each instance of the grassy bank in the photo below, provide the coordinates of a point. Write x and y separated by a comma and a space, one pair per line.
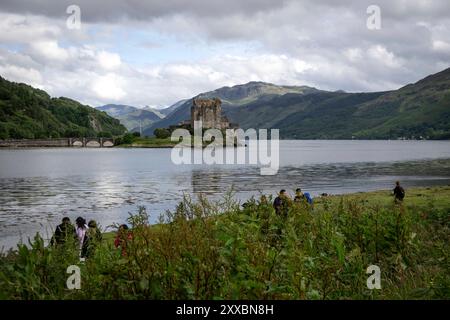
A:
149, 142
218, 250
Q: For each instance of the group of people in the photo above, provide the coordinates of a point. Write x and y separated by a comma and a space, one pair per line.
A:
86, 236
283, 199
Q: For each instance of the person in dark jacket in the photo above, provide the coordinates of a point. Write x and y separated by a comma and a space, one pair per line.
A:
399, 192
281, 203
63, 232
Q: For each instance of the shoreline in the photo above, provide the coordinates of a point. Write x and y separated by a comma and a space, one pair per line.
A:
337, 236
150, 142
415, 196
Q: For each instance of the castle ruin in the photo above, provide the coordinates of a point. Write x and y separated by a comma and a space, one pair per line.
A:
209, 111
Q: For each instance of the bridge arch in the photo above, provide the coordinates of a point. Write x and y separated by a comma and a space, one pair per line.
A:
91, 142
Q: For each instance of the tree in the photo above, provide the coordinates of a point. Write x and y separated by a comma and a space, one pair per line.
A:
128, 138
161, 133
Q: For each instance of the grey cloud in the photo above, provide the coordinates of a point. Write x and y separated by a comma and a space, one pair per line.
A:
117, 10
319, 33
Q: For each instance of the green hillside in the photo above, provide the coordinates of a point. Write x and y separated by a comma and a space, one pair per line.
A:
29, 113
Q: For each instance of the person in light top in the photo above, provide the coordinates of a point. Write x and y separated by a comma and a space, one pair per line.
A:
82, 236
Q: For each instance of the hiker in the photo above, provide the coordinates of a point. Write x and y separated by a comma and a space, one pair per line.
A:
399, 192
63, 232
123, 236
94, 232
308, 198
281, 202
263, 209
94, 236
82, 236
263, 200
299, 196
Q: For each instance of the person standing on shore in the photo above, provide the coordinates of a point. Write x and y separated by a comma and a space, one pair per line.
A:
399, 192
281, 203
95, 237
82, 235
299, 196
63, 232
123, 236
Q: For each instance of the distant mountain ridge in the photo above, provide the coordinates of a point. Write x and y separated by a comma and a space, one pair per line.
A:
416, 110
131, 117
231, 97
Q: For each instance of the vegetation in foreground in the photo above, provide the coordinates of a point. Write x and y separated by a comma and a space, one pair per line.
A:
206, 250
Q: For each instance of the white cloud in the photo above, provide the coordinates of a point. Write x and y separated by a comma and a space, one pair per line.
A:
109, 87
48, 50
384, 57
25, 28
441, 46
108, 60
27, 75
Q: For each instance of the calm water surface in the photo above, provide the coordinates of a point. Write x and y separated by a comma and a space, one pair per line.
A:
39, 186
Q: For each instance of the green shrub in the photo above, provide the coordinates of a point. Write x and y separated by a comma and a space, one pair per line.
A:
161, 133
215, 250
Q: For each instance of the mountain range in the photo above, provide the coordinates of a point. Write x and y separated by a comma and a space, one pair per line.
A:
131, 117
135, 119
416, 110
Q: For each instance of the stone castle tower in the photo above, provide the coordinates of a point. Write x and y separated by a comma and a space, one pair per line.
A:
209, 111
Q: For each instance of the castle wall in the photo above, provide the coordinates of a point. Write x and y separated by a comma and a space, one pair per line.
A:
209, 111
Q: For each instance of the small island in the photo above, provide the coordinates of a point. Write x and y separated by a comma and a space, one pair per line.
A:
208, 111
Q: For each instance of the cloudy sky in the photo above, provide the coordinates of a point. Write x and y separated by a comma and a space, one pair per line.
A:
158, 52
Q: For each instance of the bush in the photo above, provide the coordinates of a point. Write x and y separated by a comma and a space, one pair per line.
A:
161, 133
215, 250
128, 138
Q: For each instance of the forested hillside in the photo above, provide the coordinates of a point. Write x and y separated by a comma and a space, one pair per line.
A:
30, 113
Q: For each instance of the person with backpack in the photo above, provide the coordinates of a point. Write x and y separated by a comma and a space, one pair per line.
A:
399, 192
63, 232
308, 198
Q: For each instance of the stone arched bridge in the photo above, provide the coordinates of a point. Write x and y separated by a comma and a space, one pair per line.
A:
91, 142
60, 142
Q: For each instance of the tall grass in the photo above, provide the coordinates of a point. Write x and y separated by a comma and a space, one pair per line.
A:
216, 250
